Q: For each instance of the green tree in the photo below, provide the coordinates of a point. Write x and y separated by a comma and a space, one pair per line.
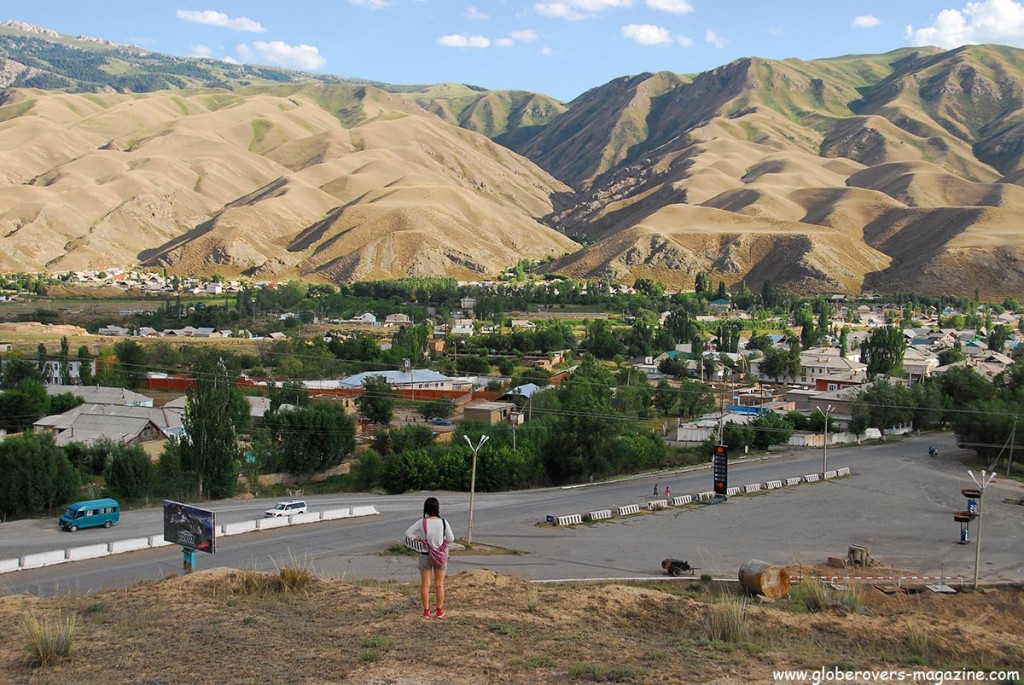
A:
132, 361
889, 405
695, 398
23, 406
129, 473
210, 449
587, 426
65, 369
85, 371
883, 351
377, 402
37, 476
17, 369
666, 399
441, 407
951, 356
770, 429
368, 471
313, 438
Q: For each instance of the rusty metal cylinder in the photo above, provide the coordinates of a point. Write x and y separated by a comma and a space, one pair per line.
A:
762, 578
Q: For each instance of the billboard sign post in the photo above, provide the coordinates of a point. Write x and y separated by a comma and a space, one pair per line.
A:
193, 528
720, 470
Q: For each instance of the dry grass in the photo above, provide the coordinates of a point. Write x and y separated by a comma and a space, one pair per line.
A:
498, 629
49, 639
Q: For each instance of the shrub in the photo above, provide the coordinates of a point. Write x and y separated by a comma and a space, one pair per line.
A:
49, 639
851, 598
814, 593
725, 621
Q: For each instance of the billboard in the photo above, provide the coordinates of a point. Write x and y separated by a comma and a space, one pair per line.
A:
720, 469
190, 527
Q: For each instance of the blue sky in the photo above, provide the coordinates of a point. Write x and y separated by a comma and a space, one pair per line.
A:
557, 47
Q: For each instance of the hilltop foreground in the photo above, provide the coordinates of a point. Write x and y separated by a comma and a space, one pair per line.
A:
228, 626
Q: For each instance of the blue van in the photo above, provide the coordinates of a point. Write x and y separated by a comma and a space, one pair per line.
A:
89, 514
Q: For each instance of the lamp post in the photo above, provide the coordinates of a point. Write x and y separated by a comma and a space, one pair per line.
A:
981, 483
824, 444
472, 482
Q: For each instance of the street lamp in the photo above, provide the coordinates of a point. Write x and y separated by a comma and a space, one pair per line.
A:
472, 482
824, 444
981, 483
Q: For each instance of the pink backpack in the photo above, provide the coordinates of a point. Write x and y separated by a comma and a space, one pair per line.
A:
438, 555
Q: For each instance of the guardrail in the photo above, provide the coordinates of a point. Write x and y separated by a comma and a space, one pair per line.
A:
102, 549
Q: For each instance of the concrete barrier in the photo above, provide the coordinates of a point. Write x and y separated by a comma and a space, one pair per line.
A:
753, 487
681, 500
829, 474
365, 511
794, 481
276, 522
601, 514
811, 477
628, 509
8, 565
657, 504
729, 492
335, 514
772, 484
568, 520
88, 552
845, 471
705, 496
238, 527
41, 559
158, 541
118, 546
308, 517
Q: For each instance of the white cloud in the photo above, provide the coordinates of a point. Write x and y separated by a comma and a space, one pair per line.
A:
524, 36
673, 6
214, 18
457, 40
230, 60
715, 39
476, 15
578, 9
865, 21
546, 51
201, 51
244, 52
504, 42
371, 4
647, 34
775, 31
988, 21
300, 56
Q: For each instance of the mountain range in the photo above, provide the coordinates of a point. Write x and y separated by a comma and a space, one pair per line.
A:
893, 172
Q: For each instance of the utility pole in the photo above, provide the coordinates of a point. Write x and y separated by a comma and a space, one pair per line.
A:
472, 483
824, 444
982, 483
1013, 439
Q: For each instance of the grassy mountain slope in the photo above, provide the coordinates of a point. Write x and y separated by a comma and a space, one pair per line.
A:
923, 140
327, 181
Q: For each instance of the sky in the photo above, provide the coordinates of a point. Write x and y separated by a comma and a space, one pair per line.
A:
561, 48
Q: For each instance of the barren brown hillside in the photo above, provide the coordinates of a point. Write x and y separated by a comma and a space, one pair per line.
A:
323, 181
225, 626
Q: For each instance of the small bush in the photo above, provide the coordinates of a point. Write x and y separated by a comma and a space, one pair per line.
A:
368, 655
851, 598
814, 593
503, 628
250, 620
725, 621
540, 662
296, 578
376, 642
705, 578
49, 640
917, 642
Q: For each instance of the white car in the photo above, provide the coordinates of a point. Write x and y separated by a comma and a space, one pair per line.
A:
295, 506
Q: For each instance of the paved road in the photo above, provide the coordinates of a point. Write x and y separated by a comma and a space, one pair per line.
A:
899, 502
